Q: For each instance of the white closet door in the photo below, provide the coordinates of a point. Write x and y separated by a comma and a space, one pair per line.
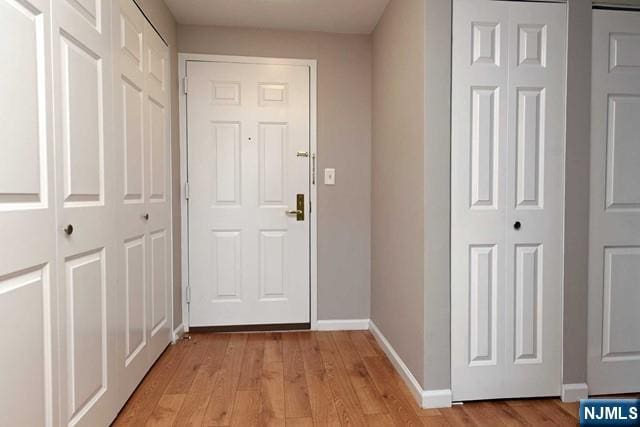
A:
28, 382
141, 95
86, 198
507, 198
157, 193
614, 239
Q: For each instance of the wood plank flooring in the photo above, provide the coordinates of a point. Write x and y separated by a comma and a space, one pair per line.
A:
303, 379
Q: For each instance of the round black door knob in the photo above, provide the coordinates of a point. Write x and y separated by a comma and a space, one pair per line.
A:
69, 230
517, 225
146, 216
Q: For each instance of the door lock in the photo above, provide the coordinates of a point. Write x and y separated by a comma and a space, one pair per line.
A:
299, 211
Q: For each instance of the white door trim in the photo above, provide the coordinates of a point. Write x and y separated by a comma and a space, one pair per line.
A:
313, 265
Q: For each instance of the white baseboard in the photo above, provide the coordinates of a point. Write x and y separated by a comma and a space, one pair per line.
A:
343, 325
574, 392
177, 333
425, 398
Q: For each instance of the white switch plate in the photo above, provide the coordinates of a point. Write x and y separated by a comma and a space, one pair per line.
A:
330, 176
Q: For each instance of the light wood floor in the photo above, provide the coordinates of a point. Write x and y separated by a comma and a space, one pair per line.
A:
302, 379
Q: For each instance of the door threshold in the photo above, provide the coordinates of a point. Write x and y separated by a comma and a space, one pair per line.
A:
253, 328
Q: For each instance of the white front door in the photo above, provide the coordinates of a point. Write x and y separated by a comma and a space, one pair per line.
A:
614, 235
87, 273
248, 256
507, 198
28, 385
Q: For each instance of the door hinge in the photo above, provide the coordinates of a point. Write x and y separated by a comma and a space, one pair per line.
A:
188, 295
184, 84
186, 190
310, 208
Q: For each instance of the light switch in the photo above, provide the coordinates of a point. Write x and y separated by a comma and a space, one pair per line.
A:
330, 176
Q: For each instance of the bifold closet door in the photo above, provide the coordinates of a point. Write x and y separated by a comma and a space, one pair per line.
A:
85, 202
141, 94
507, 198
28, 380
614, 235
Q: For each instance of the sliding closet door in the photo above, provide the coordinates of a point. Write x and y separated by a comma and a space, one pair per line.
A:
507, 198
27, 218
86, 200
614, 236
141, 121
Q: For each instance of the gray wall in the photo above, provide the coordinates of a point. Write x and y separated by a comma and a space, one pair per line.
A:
344, 142
437, 207
397, 232
576, 223
162, 19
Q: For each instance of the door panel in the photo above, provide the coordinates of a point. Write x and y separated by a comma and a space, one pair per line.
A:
27, 216
249, 260
614, 250
87, 271
507, 169
143, 202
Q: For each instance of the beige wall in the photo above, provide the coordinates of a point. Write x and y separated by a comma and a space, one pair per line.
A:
397, 232
344, 143
160, 16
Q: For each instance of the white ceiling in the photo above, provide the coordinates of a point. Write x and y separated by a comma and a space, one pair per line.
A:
333, 16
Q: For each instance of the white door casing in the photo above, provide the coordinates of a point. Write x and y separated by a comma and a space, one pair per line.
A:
614, 232
86, 191
141, 119
28, 395
508, 101
248, 259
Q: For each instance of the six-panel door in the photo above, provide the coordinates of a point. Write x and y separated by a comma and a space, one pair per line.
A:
248, 258
507, 198
614, 234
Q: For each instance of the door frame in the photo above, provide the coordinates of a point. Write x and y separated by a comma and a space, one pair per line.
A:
312, 64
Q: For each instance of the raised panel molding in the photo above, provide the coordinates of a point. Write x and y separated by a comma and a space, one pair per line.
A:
23, 151
486, 43
158, 284
226, 262
89, 10
624, 52
131, 40
132, 138
156, 67
135, 294
484, 147
226, 164
621, 291
82, 129
272, 140
272, 94
157, 152
530, 147
623, 155
528, 295
87, 338
225, 93
483, 292
28, 366
273, 266
532, 45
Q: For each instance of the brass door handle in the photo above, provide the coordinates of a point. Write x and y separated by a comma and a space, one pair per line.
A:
299, 211
294, 212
